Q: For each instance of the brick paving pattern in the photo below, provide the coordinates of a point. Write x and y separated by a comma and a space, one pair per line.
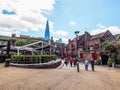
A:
65, 78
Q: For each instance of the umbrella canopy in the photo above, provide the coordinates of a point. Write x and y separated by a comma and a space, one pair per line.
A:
16, 48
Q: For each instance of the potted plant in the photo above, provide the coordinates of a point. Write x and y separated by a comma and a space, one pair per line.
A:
110, 61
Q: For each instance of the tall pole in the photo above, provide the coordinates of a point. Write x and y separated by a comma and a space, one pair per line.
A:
50, 48
77, 33
7, 56
42, 48
8, 47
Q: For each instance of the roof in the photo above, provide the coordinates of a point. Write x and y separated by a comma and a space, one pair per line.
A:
74, 39
98, 35
30, 47
15, 48
4, 37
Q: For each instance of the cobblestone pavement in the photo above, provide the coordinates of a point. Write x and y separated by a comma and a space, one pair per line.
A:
66, 78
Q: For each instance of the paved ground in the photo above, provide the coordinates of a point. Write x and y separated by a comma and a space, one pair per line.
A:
66, 78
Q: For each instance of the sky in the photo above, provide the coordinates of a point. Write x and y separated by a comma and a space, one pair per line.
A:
28, 17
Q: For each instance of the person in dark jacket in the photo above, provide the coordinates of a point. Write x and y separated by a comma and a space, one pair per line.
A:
66, 61
75, 61
92, 64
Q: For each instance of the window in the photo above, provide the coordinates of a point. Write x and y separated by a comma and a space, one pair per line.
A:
96, 46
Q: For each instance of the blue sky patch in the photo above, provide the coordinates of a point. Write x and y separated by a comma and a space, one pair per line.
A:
8, 12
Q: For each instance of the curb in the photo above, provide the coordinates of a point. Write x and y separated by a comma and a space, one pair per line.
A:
62, 64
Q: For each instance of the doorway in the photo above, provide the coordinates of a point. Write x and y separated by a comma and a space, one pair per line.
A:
104, 59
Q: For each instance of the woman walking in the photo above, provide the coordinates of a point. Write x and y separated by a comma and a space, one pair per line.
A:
71, 61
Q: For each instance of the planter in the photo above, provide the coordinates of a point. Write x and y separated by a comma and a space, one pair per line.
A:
52, 64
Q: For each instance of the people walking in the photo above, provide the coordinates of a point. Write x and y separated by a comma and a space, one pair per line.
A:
74, 61
71, 61
66, 61
92, 64
86, 63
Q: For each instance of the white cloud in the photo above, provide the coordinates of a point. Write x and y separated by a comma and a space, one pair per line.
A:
101, 28
8, 33
64, 40
60, 33
28, 15
73, 23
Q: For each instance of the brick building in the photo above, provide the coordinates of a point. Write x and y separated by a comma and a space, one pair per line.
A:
89, 46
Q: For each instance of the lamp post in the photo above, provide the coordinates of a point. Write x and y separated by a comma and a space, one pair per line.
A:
77, 33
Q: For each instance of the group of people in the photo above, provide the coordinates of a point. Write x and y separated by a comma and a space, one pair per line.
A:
73, 62
86, 63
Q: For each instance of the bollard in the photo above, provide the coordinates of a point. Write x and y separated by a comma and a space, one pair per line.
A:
77, 66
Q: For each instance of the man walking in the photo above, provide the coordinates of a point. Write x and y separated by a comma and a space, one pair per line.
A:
92, 64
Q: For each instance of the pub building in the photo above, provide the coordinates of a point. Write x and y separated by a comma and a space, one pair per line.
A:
89, 46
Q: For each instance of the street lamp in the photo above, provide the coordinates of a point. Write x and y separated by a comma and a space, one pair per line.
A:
77, 33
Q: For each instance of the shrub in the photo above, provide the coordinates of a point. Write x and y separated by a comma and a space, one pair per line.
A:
98, 62
110, 61
30, 59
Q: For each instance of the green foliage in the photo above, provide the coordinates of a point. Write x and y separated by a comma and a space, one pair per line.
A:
53, 57
106, 45
118, 38
29, 59
21, 42
25, 59
110, 61
46, 53
98, 62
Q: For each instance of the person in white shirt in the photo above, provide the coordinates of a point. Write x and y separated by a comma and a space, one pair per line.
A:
86, 63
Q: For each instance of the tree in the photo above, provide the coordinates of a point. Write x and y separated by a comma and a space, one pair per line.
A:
106, 45
118, 38
21, 42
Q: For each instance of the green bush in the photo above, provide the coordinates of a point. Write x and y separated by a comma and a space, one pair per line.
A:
53, 57
98, 62
110, 61
25, 59
31, 59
